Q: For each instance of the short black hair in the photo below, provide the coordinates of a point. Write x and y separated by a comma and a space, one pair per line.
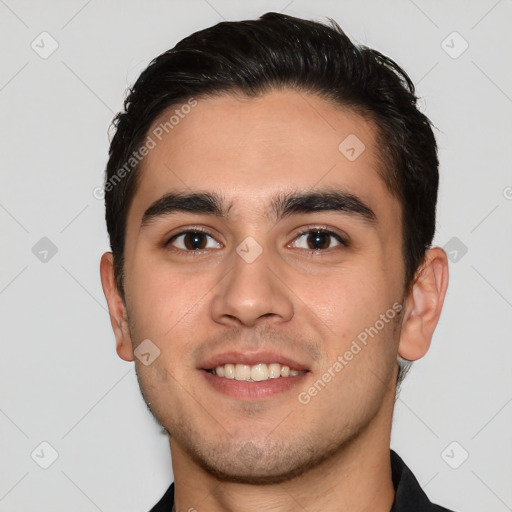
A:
276, 52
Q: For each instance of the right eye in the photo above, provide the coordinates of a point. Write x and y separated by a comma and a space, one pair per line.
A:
193, 240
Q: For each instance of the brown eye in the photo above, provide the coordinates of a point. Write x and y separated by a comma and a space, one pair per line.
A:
318, 240
193, 241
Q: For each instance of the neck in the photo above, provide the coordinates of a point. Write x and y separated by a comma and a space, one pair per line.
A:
356, 478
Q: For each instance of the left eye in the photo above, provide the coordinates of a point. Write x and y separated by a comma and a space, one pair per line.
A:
316, 240
193, 241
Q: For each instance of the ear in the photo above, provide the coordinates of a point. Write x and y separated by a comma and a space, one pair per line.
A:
423, 305
116, 308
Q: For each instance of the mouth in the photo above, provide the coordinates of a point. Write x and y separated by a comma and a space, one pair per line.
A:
253, 376
254, 373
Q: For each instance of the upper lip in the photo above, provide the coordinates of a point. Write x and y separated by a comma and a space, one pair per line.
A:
251, 358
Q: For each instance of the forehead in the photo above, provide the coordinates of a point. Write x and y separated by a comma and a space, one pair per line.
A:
247, 149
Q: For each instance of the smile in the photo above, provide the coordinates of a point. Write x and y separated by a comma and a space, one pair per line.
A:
254, 373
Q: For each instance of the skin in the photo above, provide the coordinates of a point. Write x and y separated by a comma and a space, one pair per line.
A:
271, 454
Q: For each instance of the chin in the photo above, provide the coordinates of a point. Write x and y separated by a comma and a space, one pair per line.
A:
250, 464
264, 473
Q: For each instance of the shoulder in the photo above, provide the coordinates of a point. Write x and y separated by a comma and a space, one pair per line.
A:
409, 496
166, 502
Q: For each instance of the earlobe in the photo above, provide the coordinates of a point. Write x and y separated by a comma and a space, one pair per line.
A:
423, 305
116, 307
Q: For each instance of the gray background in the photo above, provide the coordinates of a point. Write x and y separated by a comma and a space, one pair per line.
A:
61, 381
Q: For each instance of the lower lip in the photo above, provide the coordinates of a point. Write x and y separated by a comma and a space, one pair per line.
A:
244, 390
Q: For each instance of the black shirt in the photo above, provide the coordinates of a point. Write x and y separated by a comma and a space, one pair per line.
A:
409, 496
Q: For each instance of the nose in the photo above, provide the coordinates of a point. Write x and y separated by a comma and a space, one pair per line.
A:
252, 292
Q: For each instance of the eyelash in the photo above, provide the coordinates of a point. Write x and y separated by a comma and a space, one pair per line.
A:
310, 229
323, 230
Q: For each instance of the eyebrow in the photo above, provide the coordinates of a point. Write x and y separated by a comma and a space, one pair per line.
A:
282, 205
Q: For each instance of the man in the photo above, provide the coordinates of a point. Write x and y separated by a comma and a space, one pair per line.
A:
270, 200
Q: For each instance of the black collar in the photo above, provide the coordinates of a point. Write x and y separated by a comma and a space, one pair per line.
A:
409, 496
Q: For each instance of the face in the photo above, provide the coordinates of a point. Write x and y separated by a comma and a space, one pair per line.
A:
289, 261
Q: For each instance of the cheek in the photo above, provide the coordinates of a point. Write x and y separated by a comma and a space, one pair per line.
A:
348, 300
162, 300
355, 306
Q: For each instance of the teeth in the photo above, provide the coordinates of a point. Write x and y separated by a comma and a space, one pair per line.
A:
274, 370
242, 372
259, 372
255, 373
229, 371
